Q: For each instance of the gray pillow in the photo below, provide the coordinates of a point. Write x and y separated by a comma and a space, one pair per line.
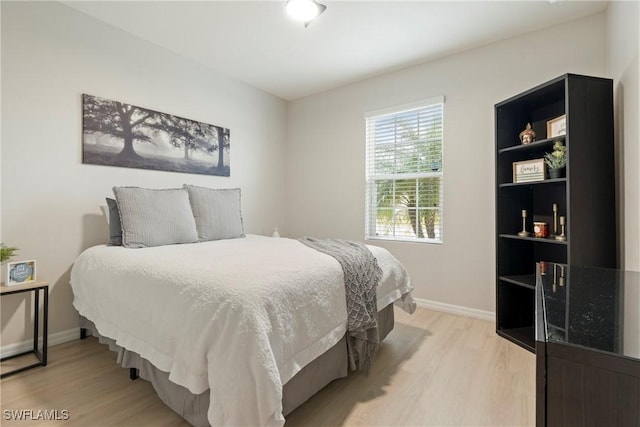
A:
155, 217
115, 229
217, 212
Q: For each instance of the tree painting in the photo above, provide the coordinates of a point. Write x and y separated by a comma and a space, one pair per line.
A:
119, 134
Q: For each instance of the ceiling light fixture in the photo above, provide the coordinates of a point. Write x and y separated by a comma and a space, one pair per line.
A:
304, 10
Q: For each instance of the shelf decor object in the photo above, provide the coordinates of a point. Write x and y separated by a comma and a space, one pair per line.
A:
6, 253
528, 171
572, 114
524, 232
540, 229
562, 236
556, 160
20, 272
543, 268
528, 135
557, 126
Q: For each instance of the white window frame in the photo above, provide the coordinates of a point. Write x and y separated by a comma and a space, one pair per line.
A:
372, 175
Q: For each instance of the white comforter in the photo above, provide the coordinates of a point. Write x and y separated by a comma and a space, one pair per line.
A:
239, 317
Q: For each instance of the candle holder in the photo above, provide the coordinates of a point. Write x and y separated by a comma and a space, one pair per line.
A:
543, 268
555, 220
562, 236
524, 232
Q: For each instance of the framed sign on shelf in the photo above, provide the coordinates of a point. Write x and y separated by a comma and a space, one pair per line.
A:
528, 171
20, 272
557, 126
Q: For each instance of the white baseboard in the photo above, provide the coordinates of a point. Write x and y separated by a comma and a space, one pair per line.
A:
456, 309
54, 339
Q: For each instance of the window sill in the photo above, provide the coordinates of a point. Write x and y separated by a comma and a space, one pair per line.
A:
405, 240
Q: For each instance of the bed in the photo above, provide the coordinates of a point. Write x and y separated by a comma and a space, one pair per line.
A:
255, 317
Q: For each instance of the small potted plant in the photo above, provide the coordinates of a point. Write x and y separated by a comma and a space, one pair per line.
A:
556, 160
6, 252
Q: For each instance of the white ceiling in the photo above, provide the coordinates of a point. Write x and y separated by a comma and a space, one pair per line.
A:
255, 42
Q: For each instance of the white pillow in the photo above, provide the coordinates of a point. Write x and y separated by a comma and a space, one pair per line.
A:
152, 217
217, 212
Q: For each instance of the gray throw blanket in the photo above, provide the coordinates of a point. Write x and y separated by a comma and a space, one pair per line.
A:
361, 277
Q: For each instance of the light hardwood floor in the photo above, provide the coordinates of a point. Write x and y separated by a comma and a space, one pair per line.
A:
434, 369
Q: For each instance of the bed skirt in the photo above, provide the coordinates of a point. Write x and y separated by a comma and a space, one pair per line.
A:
331, 365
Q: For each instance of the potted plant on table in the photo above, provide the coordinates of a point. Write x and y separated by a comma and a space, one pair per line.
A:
556, 161
6, 253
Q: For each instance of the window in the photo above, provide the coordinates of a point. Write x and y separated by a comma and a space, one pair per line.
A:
404, 172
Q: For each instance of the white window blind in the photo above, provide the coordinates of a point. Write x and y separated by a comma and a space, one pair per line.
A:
405, 172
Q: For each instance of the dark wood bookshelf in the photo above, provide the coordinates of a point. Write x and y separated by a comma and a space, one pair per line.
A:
585, 196
521, 184
526, 280
543, 143
524, 337
535, 239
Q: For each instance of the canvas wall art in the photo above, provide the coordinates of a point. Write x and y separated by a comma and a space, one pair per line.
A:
119, 134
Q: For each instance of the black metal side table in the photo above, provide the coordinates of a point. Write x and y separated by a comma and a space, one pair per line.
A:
35, 286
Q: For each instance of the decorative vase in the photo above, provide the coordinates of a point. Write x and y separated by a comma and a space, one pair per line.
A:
556, 173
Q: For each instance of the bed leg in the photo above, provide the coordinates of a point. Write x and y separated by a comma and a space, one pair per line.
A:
83, 333
133, 374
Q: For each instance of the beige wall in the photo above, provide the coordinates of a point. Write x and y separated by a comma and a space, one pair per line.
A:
51, 54
623, 39
303, 170
325, 151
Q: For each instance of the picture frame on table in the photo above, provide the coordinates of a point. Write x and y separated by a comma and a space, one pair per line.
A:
557, 127
20, 272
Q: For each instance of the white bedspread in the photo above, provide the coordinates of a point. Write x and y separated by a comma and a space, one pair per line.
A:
239, 317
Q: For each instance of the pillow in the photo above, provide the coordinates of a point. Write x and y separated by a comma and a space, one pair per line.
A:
155, 217
217, 212
115, 229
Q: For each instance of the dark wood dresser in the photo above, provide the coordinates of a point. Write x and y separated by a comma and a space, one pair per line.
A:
587, 346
